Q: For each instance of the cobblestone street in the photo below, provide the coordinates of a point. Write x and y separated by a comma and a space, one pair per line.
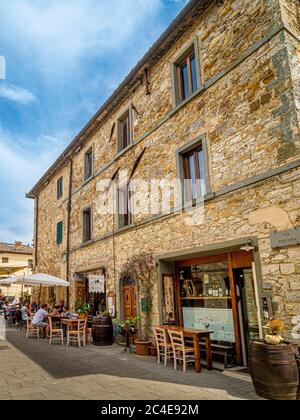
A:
31, 369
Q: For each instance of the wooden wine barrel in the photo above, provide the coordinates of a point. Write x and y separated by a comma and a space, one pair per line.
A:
102, 331
274, 371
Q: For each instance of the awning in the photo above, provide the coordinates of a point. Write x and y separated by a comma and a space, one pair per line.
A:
37, 280
10, 268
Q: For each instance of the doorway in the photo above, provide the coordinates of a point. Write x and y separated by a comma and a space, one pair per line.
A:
129, 299
217, 292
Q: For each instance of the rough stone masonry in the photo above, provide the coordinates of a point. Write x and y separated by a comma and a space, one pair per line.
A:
247, 109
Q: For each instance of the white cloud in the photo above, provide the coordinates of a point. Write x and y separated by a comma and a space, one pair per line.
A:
57, 34
19, 170
17, 94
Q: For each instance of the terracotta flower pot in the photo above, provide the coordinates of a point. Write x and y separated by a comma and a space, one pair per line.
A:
142, 347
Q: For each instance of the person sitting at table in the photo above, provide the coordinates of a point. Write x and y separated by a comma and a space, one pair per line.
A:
56, 311
66, 313
39, 320
26, 312
61, 304
34, 306
7, 308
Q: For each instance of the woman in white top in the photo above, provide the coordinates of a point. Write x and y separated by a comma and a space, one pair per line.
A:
25, 312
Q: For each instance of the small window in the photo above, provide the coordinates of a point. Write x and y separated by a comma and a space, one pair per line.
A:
124, 131
193, 167
88, 164
186, 75
5, 260
59, 233
125, 206
60, 188
87, 225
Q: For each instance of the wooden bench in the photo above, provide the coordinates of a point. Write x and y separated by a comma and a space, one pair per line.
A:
223, 350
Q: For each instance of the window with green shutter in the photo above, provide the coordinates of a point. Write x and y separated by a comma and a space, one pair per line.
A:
59, 233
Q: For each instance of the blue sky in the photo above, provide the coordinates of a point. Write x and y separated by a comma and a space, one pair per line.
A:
63, 59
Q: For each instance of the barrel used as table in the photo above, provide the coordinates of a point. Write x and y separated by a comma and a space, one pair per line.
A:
102, 331
274, 370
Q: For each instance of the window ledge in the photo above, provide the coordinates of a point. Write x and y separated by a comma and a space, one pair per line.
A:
122, 152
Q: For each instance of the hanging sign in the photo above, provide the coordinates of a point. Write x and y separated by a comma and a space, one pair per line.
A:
96, 283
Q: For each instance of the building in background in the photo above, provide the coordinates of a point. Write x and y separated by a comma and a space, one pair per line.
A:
15, 260
217, 99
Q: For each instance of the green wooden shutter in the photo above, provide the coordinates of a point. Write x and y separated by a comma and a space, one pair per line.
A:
59, 233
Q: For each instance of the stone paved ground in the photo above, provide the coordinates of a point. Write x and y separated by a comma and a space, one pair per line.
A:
31, 369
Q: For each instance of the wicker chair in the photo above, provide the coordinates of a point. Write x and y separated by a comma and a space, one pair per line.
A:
75, 336
181, 353
164, 348
55, 332
32, 329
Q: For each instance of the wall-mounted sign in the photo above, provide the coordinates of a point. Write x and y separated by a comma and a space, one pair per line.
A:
285, 238
111, 304
96, 283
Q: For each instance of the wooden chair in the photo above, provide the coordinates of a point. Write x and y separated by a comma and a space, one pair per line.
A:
164, 348
32, 329
181, 352
75, 336
55, 332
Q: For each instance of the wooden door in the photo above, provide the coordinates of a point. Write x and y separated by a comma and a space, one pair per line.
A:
129, 302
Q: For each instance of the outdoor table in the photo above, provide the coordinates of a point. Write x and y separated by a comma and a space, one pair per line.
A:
69, 322
196, 335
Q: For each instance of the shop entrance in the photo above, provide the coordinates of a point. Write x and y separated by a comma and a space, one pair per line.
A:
129, 299
218, 293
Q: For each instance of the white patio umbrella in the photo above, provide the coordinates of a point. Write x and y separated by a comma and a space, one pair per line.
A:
42, 280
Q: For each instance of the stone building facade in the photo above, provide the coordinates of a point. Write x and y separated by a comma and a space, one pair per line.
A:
244, 111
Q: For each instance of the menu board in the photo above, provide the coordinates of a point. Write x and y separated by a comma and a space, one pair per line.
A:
220, 321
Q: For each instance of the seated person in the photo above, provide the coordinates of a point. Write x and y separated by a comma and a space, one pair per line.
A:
66, 313
56, 311
7, 308
61, 304
25, 311
34, 306
39, 320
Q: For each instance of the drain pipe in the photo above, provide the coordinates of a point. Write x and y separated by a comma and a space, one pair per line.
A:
69, 208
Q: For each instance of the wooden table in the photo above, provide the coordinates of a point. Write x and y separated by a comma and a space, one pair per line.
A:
69, 322
196, 335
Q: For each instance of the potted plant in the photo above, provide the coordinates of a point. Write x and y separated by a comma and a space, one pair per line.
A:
273, 366
275, 328
141, 268
83, 311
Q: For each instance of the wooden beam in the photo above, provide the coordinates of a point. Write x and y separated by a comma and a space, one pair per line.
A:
235, 311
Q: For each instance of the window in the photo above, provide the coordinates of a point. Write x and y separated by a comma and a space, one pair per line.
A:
87, 224
59, 233
88, 164
193, 168
60, 188
125, 206
186, 74
124, 131
5, 260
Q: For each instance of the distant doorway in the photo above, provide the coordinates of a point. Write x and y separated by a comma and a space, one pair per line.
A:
129, 299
